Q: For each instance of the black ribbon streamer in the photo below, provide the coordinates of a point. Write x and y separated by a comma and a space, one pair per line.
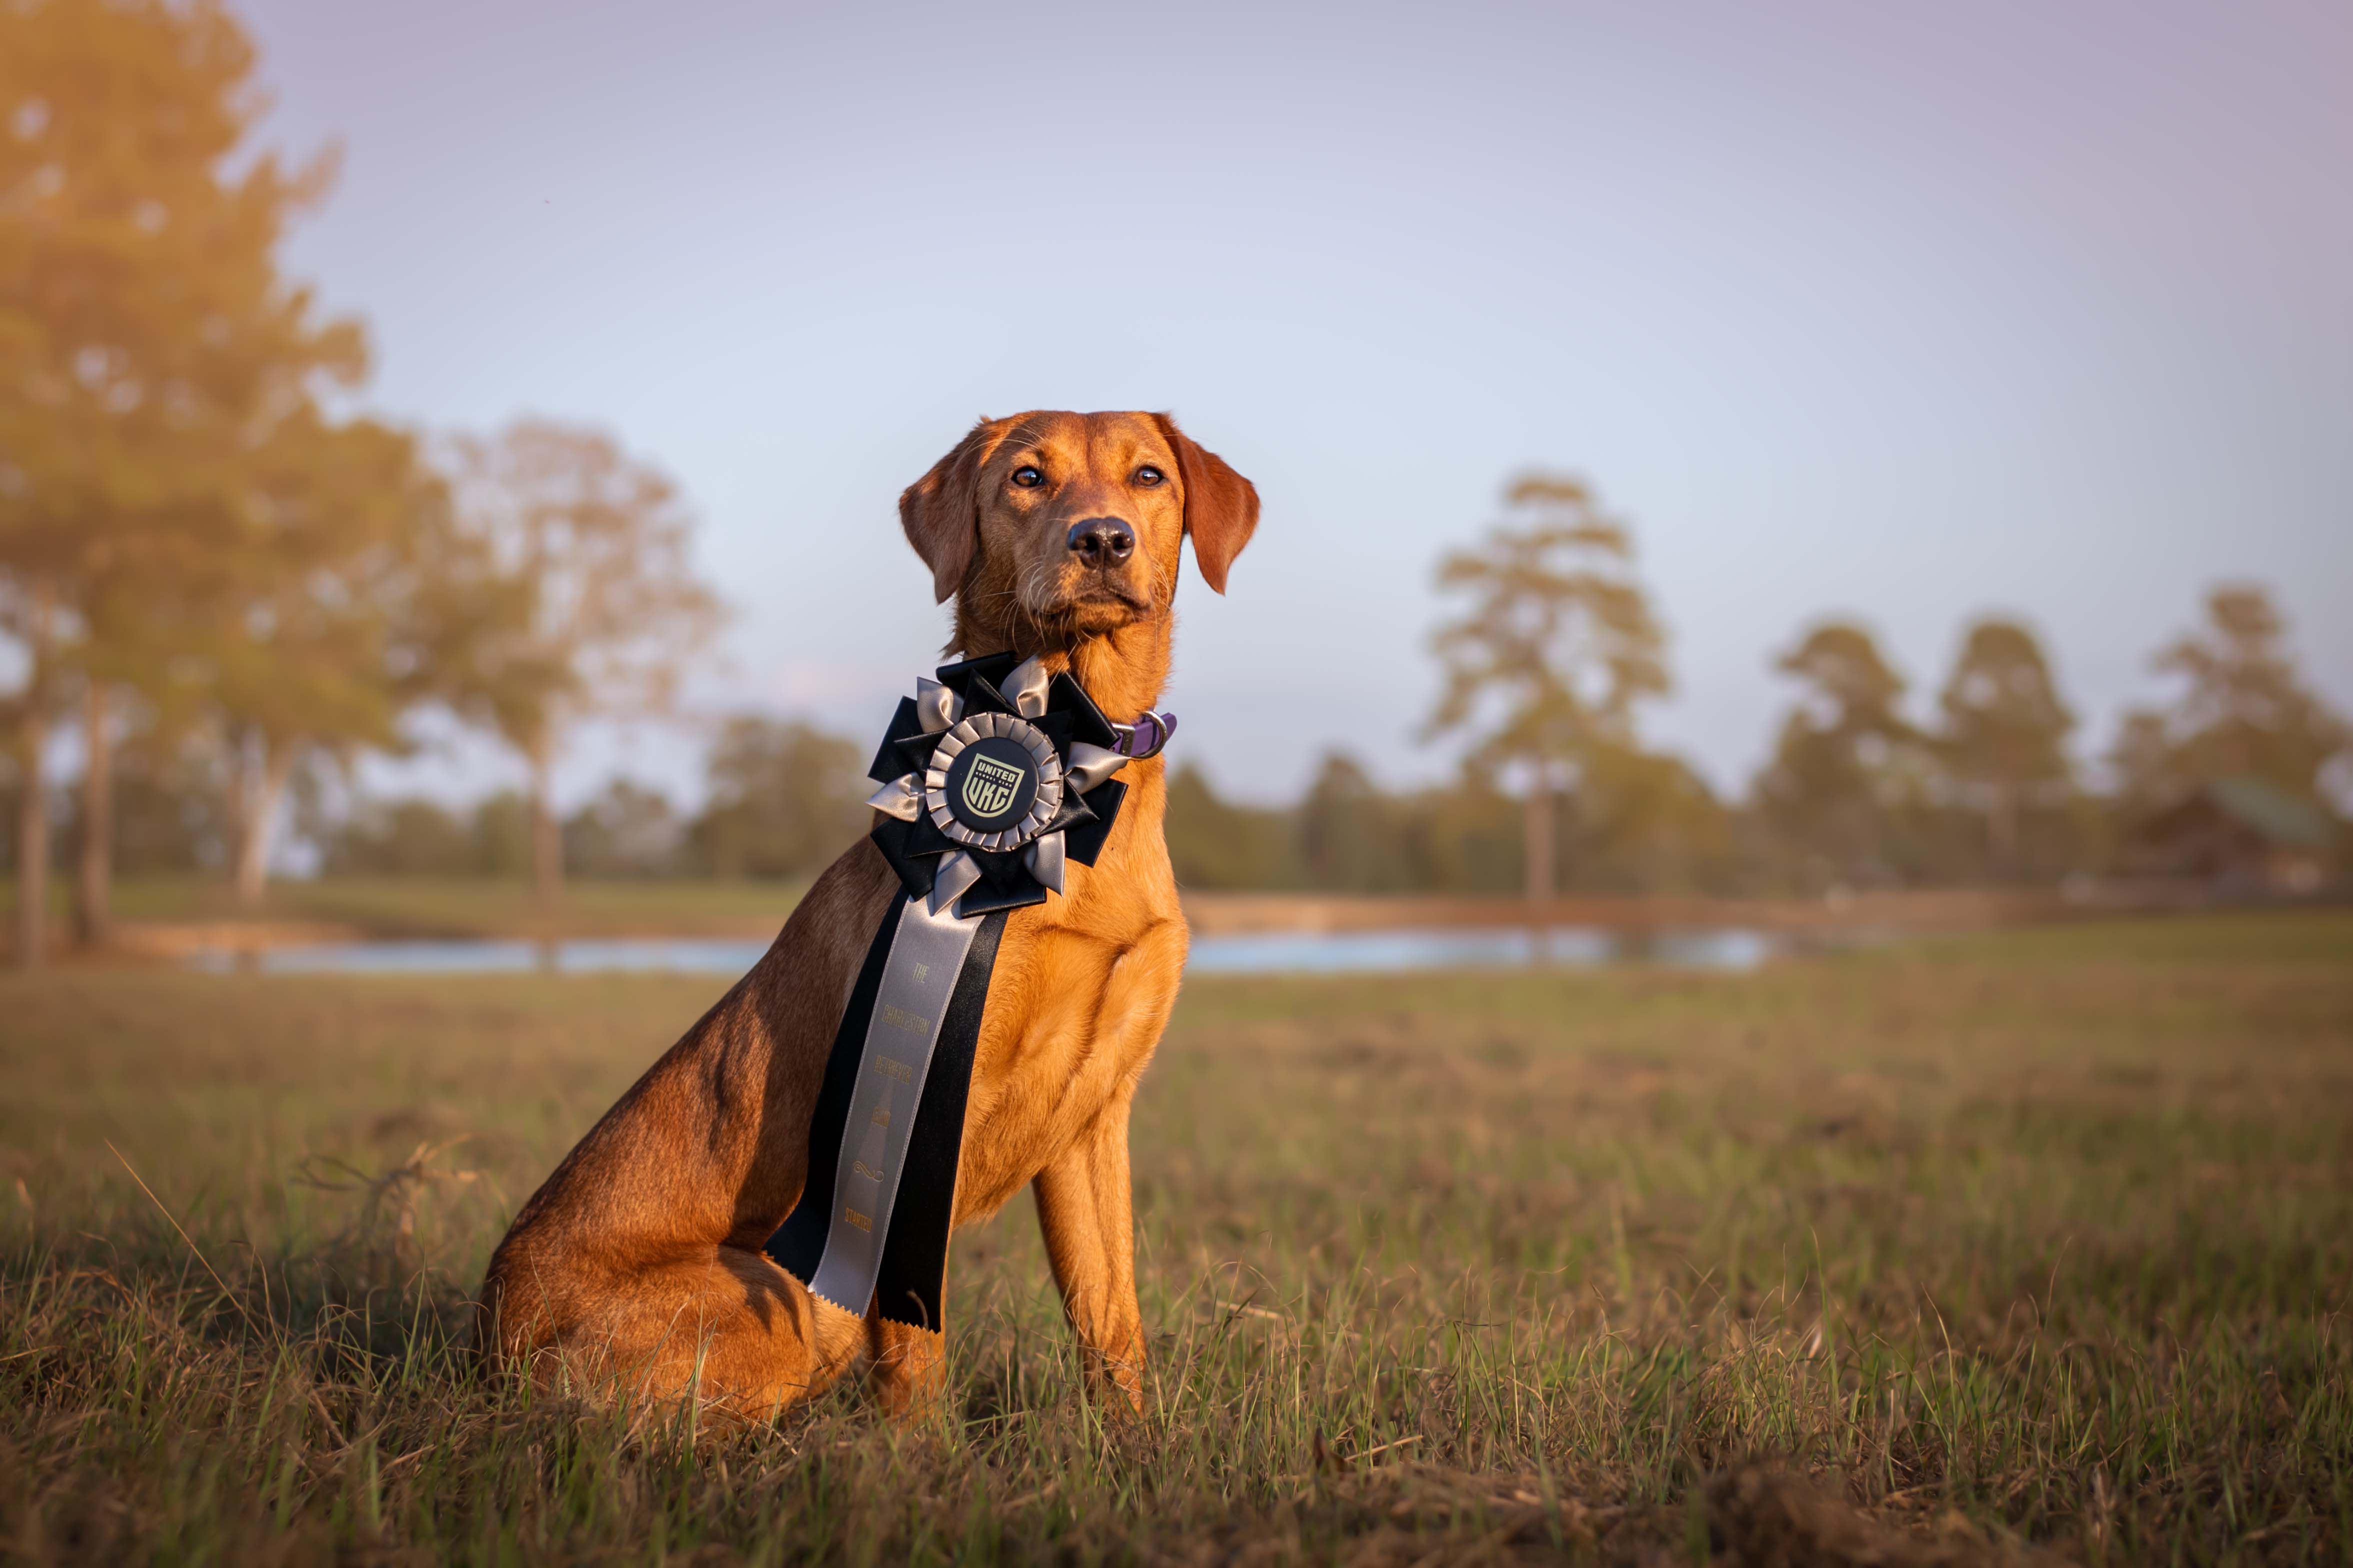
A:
915, 1253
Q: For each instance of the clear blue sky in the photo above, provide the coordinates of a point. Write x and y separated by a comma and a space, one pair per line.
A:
1908, 311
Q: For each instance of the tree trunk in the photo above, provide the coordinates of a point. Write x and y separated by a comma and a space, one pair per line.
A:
93, 909
546, 832
264, 790
2002, 830
1536, 833
32, 838
33, 805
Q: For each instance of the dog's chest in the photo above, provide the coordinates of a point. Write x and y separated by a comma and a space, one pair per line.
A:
1052, 1053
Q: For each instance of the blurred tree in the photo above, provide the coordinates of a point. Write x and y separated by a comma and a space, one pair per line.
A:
1214, 843
502, 835
1466, 838
318, 641
2005, 732
784, 799
32, 613
416, 837
168, 811
1557, 647
1647, 823
409, 837
607, 609
2244, 711
1641, 822
147, 347
627, 830
1845, 756
172, 808
2146, 767
1350, 838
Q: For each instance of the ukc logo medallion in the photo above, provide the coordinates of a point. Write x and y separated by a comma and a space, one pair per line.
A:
989, 789
990, 785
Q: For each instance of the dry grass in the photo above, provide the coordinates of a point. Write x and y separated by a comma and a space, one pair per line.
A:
2036, 1242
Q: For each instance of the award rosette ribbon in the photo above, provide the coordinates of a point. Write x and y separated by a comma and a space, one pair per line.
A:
995, 777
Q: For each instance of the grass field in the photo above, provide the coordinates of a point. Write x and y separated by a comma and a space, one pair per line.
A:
1981, 1250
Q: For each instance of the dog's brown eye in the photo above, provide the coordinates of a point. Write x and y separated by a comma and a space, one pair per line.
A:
1148, 476
1028, 477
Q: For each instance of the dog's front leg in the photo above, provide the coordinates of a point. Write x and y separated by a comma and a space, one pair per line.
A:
1086, 1208
1085, 1203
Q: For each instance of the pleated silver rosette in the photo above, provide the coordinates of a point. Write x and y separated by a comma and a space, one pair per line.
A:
960, 737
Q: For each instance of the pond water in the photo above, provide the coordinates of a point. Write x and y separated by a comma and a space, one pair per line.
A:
1268, 952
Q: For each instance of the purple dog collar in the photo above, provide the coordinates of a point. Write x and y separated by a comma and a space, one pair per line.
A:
1146, 737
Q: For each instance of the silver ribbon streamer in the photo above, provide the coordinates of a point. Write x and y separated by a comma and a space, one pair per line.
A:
927, 954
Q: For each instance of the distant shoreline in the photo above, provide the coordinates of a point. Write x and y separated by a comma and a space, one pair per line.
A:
321, 913
1895, 911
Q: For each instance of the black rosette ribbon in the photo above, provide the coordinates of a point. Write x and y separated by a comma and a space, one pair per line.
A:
993, 777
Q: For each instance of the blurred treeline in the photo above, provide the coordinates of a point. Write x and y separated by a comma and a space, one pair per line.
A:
782, 800
221, 586
1856, 794
1990, 790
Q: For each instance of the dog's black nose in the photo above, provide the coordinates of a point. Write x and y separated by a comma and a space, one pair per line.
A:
1102, 541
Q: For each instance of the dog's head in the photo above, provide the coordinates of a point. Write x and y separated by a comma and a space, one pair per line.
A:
1053, 528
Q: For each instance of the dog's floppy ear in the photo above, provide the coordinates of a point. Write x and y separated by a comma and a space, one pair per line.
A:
940, 511
1220, 505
